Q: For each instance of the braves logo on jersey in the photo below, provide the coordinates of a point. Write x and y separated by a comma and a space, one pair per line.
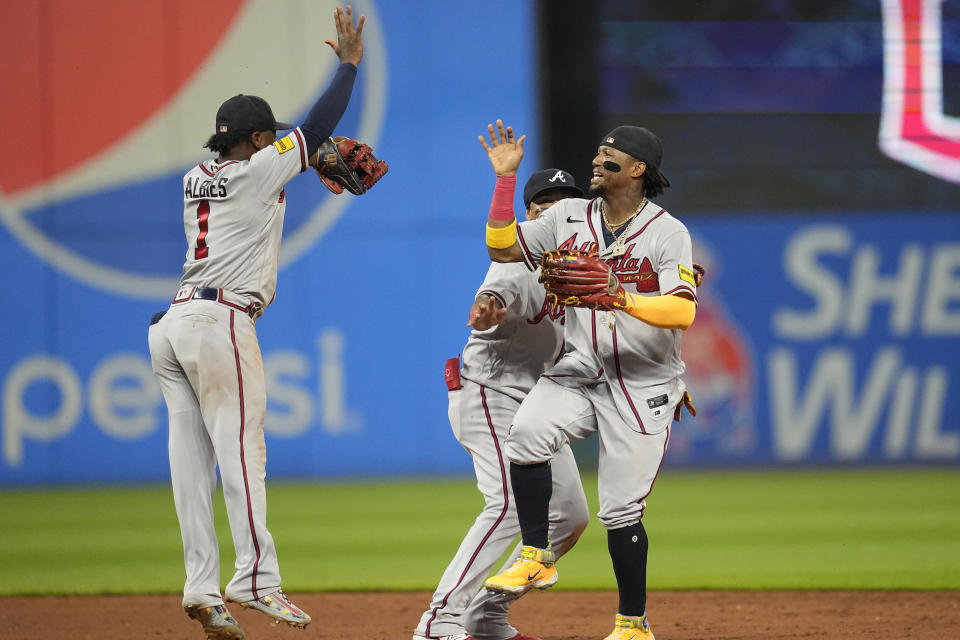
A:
553, 312
636, 260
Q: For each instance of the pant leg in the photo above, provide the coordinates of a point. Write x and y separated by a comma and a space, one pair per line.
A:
487, 614
480, 418
193, 473
549, 417
242, 453
628, 465
217, 348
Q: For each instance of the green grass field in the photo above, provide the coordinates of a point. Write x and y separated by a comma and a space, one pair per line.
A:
808, 529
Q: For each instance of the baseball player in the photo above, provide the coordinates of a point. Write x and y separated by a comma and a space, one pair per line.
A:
619, 375
516, 335
204, 348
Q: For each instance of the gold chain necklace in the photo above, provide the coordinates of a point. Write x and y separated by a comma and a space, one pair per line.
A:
618, 247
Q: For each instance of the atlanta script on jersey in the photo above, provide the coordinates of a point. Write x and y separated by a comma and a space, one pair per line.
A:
634, 358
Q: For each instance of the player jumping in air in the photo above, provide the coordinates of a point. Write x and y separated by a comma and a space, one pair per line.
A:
205, 352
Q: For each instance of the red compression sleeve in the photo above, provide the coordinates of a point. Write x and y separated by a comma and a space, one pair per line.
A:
501, 206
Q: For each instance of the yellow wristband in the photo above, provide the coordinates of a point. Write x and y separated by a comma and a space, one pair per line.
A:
502, 238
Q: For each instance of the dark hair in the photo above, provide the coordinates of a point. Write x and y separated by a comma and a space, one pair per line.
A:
221, 143
653, 183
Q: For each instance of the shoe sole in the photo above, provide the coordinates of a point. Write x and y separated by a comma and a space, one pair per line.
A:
215, 633
276, 619
644, 637
541, 585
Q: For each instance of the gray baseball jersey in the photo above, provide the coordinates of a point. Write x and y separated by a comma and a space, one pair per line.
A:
641, 363
510, 356
205, 354
233, 219
500, 366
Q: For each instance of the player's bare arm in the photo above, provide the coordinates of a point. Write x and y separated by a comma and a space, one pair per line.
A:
349, 44
505, 152
485, 312
512, 253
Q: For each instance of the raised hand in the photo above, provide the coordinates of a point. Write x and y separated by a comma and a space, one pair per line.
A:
349, 44
505, 150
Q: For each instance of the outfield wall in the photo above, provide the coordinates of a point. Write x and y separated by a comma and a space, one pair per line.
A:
819, 339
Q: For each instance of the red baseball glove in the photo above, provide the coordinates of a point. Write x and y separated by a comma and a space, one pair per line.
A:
345, 163
580, 279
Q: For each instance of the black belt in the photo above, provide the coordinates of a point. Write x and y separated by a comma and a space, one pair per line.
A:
254, 310
212, 293
207, 293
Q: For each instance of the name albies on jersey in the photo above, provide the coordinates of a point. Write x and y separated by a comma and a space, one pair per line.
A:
233, 219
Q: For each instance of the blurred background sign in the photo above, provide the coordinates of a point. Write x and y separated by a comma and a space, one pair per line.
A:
812, 148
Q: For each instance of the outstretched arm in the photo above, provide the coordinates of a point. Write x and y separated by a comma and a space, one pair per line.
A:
326, 112
505, 152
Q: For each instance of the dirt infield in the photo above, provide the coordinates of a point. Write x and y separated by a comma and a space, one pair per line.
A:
559, 615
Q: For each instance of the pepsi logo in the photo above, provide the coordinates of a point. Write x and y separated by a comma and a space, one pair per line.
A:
113, 105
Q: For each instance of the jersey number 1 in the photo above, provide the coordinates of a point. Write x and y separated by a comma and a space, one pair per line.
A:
203, 212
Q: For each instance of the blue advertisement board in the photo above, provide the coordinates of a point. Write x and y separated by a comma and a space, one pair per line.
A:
825, 339
818, 339
373, 291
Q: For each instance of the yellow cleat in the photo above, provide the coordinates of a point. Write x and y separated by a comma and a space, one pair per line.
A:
534, 569
631, 628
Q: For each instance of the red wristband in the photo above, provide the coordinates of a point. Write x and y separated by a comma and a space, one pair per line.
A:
501, 206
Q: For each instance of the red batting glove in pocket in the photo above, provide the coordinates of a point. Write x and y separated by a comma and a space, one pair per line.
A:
451, 374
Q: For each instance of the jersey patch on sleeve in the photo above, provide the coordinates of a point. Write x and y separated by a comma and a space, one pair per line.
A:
283, 144
687, 275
